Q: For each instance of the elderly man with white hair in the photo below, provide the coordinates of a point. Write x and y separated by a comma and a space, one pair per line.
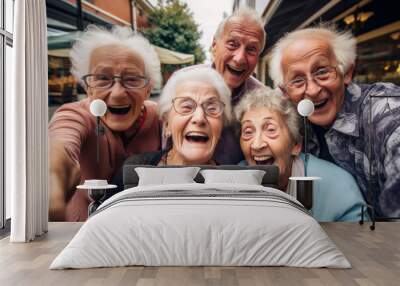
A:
237, 44
317, 63
120, 68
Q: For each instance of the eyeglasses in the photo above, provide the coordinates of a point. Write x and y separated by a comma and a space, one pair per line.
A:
105, 81
321, 77
186, 106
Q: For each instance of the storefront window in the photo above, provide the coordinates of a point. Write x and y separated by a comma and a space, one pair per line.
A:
63, 87
379, 59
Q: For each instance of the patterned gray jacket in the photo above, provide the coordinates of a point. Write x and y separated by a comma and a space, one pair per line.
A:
348, 143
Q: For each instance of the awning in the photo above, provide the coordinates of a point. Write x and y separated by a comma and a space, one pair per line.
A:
59, 46
64, 41
63, 53
289, 15
173, 58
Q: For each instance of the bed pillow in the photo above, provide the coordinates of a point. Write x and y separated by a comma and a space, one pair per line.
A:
166, 176
249, 177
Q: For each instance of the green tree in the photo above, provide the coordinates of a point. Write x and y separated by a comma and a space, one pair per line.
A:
173, 28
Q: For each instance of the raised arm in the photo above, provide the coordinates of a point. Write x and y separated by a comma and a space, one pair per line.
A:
64, 176
68, 130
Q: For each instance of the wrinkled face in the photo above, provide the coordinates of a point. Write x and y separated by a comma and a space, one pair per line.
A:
236, 52
301, 59
265, 140
123, 105
195, 135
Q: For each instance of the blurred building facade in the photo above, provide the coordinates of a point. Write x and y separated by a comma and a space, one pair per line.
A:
65, 15
374, 23
65, 21
65, 18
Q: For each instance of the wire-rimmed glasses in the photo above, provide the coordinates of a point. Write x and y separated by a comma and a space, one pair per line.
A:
186, 106
321, 77
106, 81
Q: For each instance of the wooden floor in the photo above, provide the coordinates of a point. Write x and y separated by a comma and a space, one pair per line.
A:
374, 255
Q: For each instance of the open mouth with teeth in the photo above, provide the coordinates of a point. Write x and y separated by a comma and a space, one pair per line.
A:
263, 160
119, 110
196, 137
321, 103
235, 71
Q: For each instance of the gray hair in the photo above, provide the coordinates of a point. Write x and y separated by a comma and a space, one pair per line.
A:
343, 45
273, 99
95, 37
243, 12
203, 74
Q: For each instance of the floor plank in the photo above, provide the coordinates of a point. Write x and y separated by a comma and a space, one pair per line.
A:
374, 255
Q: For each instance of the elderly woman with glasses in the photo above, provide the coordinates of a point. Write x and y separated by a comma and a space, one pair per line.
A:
270, 135
194, 106
120, 68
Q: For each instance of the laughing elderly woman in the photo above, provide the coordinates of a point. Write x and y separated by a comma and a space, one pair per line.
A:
194, 106
270, 134
120, 68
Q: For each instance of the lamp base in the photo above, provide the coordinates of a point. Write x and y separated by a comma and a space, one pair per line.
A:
305, 190
305, 193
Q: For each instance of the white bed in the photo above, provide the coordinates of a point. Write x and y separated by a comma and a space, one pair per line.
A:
201, 224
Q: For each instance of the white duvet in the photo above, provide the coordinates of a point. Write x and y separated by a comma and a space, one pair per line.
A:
226, 225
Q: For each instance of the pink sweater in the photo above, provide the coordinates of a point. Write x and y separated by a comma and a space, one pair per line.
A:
75, 126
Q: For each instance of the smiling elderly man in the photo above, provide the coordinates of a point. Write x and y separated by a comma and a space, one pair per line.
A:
317, 63
237, 44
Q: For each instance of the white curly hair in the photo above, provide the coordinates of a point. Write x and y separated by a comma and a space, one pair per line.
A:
95, 37
272, 99
343, 45
243, 12
200, 73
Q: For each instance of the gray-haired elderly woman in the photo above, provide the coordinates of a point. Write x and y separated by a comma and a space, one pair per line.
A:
194, 106
270, 134
120, 68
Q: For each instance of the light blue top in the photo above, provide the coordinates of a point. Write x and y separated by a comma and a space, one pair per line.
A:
337, 196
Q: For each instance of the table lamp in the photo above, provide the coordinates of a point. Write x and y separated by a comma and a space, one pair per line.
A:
304, 185
305, 108
98, 108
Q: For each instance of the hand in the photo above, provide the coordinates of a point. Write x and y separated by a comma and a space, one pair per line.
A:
57, 211
64, 176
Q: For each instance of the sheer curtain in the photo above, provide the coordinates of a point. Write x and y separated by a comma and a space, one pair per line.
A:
26, 124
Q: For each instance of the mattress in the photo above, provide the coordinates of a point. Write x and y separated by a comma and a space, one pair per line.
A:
201, 225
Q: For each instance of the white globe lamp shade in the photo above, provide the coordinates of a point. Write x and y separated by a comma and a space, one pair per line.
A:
98, 107
305, 107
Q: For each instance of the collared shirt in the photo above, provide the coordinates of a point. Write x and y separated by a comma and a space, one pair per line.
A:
228, 150
249, 84
348, 142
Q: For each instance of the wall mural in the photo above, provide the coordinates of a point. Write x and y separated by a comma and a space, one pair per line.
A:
220, 114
